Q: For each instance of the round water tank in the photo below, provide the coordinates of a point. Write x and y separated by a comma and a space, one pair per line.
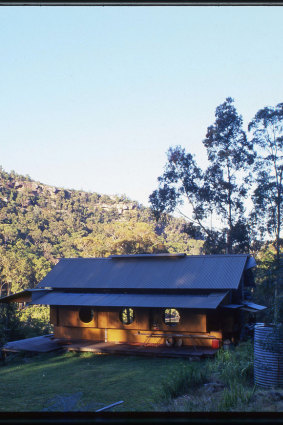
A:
268, 355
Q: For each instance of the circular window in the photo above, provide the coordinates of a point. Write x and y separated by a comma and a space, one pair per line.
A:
127, 316
86, 314
171, 317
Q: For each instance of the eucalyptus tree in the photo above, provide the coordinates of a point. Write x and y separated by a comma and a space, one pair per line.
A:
181, 181
221, 189
227, 177
267, 137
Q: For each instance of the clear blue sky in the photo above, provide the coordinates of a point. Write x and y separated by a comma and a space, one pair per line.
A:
92, 97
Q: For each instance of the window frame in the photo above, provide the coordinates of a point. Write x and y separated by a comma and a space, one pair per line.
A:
83, 310
131, 316
171, 324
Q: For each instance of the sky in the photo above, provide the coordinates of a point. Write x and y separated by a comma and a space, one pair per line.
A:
91, 98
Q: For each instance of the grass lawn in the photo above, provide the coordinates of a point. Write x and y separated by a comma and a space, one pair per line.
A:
94, 381
87, 382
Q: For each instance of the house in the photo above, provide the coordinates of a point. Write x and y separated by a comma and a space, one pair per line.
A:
167, 299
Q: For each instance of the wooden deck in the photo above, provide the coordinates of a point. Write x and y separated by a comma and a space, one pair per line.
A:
48, 343
140, 350
39, 344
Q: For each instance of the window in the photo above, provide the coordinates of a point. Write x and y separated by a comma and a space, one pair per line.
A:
86, 314
21, 306
127, 316
171, 317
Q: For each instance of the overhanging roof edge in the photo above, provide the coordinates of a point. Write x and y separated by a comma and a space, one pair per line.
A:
192, 301
250, 262
25, 292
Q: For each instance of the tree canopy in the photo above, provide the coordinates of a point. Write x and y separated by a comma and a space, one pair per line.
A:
220, 189
267, 136
267, 133
230, 155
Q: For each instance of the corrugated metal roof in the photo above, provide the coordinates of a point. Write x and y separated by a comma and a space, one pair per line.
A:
210, 301
14, 297
22, 294
188, 272
232, 306
155, 256
253, 306
246, 305
250, 263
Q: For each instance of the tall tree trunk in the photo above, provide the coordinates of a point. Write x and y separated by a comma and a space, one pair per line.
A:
229, 238
278, 274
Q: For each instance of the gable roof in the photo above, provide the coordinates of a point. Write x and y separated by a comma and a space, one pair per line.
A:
144, 272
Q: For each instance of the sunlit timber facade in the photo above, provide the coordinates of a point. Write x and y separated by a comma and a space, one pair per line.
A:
161, 299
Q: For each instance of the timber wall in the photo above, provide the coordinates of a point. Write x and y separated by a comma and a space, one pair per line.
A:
107, 326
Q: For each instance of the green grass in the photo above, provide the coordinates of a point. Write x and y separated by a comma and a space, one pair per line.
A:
236, 396
86, 381
183, 378
30, 384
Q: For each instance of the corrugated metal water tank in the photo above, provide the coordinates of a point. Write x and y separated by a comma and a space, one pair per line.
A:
268, 355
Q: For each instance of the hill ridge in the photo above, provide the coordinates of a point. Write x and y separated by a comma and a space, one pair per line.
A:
40, 223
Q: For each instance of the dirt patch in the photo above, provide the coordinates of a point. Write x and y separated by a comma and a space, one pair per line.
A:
267, 401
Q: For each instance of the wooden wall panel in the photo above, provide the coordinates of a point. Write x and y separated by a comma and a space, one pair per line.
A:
189, 321
143, 318
130, 336
91, 334
68, 325
228, 321
70, 317
213, 321
53, 316
102, 319
111, 319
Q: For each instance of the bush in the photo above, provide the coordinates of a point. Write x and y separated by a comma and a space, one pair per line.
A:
9, 324
34, 321
235, 365
230, 375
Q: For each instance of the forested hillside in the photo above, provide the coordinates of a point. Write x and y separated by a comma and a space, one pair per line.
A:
41, 223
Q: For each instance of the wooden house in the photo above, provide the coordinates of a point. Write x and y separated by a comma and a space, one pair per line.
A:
170, 299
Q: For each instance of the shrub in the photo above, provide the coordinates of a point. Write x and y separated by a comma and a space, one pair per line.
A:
236, 365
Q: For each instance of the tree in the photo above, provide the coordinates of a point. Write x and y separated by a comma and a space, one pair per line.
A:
177, 237
267, 128
221, 189
121, 238
265, 275
182, 179
267, 131
226, 180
